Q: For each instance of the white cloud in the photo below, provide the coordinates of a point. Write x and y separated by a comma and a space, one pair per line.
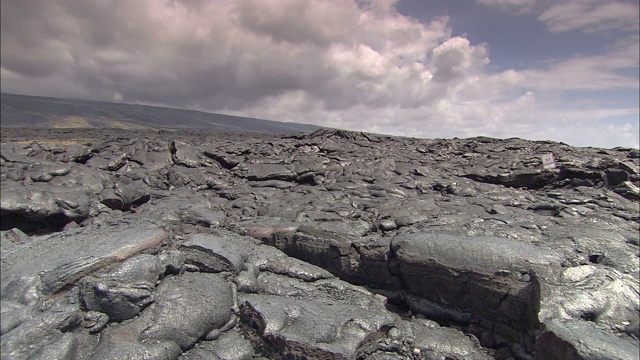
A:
348, 64
591, 15
589, 127
456, 58
598, 72
517, 6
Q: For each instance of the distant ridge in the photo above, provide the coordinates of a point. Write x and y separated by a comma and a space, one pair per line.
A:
47, 112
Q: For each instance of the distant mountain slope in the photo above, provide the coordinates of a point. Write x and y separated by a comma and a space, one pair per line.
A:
45, 112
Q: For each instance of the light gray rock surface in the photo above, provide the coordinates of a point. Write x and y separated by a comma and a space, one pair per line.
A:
318, 329
63, 258
125, 291
332, 245
216, 253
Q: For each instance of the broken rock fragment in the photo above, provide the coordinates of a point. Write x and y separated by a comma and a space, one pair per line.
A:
122, 293
188, 307
483, 276
313, 329
225, 251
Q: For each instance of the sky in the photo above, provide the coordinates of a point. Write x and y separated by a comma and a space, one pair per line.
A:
562, 70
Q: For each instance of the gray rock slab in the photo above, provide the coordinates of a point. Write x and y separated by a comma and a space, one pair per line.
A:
215, 253
54, 169
199, 354
567, 339
435, 342
313, 329
120, 342
13, 314
483, 254
10, 239
122, 293
266, 282
41, 335
373, 266
532, 179
232, 346
200, 215
111, 161
132, 193
185, 155
267, 258
261, 172
64, 258
228, 161
329, 250
605, 297
43, 204
87, 179
78, 153
186, 308
491, 278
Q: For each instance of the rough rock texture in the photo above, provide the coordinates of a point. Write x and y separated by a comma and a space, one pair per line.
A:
318, 329
498, 285
331, 245
63, 258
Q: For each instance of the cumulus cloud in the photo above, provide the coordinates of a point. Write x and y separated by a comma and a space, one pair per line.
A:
455, 58
220, 54
349, 64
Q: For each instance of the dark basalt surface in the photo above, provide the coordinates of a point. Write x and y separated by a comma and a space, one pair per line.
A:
332, 245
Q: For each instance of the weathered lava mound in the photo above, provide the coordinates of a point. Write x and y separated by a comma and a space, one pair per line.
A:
333, 245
